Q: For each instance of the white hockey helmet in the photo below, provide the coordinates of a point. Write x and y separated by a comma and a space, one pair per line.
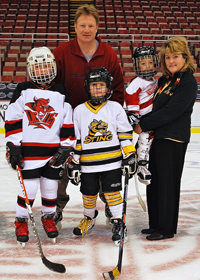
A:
39, 59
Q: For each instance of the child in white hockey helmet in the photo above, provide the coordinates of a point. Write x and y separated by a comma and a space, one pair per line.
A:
138, 98
103, 135
40, 135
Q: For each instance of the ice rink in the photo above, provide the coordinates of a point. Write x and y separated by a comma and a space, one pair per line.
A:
86, 259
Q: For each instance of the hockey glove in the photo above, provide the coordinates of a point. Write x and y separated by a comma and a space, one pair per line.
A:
14, 155
129, 165
60, 157
144, 175
133, 118
74, 172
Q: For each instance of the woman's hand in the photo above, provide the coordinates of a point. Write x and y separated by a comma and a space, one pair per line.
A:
138, 129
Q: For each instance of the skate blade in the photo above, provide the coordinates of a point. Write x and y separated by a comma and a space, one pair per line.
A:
59, 226
53, 240
117, 242
22, 244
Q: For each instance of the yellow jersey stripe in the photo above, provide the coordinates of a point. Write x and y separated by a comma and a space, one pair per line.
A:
123, 136
128, 149
100, 157
78, 147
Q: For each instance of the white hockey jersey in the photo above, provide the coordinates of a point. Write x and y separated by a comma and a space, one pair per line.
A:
139, 95
101, 132
40, 120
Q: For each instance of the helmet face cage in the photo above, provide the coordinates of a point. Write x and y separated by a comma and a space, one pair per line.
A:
98, 75
41, 65
141, 54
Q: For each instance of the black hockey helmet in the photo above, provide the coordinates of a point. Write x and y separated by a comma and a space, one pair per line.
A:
142, 53
98, 75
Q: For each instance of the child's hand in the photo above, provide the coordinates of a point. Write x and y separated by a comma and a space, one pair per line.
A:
133, 118
60, 157
74, 172
14, 156
129, 165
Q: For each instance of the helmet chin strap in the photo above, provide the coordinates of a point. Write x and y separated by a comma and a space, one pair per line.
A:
43, 83
147, 75
43, 79
97, 100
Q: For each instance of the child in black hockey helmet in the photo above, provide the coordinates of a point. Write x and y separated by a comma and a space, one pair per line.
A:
104, 148
138, 98
40, 136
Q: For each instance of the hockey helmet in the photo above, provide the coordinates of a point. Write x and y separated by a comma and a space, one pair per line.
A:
139, 55
98, 75
41, 65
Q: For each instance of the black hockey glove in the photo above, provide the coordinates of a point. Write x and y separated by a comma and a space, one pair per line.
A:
60, 157
129, 165
74, 172
14, 155
133, 118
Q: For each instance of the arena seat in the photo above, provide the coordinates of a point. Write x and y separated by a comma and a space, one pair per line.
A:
6, 78
153, 18
52, 44
24, 52
178, 32
8, 70
19, 79
15, 45
10, 61
21, 61
13, 53
21, 71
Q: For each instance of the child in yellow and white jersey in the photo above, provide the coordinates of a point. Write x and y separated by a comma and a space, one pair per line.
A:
104, 149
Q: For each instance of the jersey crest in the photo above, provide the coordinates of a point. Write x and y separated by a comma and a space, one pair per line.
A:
98, 132
41, 115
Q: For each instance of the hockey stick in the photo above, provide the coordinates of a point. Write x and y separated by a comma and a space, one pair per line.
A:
138, 194
115, 273
52, 266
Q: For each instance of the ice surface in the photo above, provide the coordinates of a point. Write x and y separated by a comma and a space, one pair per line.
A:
88, 258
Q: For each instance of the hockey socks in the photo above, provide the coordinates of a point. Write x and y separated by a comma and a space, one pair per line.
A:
114, 202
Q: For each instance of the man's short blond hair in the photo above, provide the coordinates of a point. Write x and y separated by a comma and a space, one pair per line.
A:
87, 10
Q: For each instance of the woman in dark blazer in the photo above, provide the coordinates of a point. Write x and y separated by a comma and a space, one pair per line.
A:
170, 121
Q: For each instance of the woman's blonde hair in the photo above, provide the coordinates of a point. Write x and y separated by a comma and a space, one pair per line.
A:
178, 45
87, 10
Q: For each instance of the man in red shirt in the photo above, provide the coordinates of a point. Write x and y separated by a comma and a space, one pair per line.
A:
74, 60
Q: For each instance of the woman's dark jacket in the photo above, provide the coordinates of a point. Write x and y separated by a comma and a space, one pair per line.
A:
172, 109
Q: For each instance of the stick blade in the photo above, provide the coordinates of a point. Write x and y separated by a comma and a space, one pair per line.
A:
142, 203
138, 195
112, 275
56, 267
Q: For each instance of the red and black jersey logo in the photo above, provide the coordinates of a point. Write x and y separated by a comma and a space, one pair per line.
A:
41, 115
